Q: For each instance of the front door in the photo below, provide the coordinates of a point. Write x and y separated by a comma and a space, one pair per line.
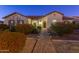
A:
44, 24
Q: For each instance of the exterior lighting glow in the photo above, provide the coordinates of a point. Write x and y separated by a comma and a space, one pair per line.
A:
40, 22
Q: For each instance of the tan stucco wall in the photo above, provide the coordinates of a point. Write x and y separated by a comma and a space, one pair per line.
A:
44, 19
14, 17
49, 18
58, 17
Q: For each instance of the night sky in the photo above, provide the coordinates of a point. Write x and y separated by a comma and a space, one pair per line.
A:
68, 10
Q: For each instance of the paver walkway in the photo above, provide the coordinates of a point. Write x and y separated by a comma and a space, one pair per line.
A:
44, 35
29, 45
43, 44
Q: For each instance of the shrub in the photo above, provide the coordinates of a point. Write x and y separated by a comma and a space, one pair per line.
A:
12, 28
62, 28
24, 28
35, 30
76, 26
7, 30
12, 41
3, 27
39, 28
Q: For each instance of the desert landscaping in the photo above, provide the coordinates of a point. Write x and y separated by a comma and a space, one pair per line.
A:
25, 38
54, 45
68, 44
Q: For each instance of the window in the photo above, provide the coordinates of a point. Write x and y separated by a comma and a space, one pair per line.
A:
20, 22
54, 21
11, 22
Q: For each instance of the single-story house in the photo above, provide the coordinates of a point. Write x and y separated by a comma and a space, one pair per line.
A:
43, 21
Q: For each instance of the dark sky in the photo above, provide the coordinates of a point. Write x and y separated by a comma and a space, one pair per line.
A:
68, 10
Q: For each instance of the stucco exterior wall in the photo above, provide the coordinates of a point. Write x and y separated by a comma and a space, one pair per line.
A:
35, 21
15, 17
44, 19
58, 17
39, 21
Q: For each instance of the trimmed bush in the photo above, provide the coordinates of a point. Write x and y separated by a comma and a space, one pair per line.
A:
26, 29
12, 41
35, 30
12, 28
3, 27
76, 26
7, 30
39, 28
62, 28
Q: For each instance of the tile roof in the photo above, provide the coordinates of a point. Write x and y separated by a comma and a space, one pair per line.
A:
53, 12
32, 16
12, 14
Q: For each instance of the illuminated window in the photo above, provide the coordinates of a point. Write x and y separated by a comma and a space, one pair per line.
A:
11, 22
54, 21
